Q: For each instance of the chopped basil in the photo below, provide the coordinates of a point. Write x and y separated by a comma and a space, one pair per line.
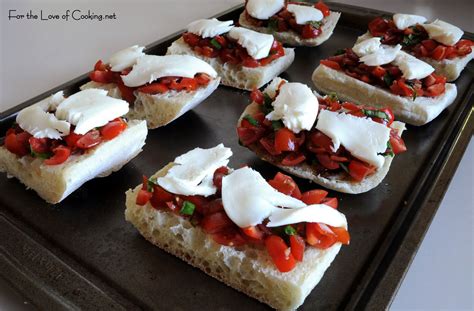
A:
340, 52
216, 44
315, 24
267, 106
276, 125
388, 79
411, 85
40, 155
150, 184
273, 24
188, 208
332, 97
413, 38
251, 120
375, 114
344, 167
389, 151
289, 230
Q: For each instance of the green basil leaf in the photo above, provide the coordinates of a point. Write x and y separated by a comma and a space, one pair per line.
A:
251, 120
375, 114
388, 79
273, 24
315, 24
289, 230
276, 125
340, 52
216, 44
344, 167
188, 208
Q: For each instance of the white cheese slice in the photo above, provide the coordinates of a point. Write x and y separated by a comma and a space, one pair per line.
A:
362, 137
248, 199
412, 67
52, 102
193, 171
264, 9
272, 87
443, 32
367, 47
257, 44
403, 21
296, 106
125, 58
151, 67
311, 213
208, 28
304, 14
90, 108
382, 56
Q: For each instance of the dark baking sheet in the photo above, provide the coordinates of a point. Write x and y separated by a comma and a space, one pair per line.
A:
82, 254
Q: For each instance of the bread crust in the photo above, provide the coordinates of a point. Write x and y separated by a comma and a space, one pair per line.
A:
292, 38
55, 182
236, 75
159, 109
247, 269
336, 182
415, 112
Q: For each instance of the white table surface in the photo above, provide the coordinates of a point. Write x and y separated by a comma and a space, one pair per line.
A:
38, 55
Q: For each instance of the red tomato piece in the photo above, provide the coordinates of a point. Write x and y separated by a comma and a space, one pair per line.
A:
293, 159
398, 145
113, 129
280, 253
188, 84
143, 197
160, 197
330, 64
309, 32
326, 161
350, 106
253, 232
61, 154
379, 72
127, 93
103, 76
216, 222
320, 235
248, 136
435, 90
218, 175
250, 62
439, 52
269, 145
210, 207
342, 235
100, 65
229, 237
89, 140
378, 27
323, 8
202, 78
359, 170
285, 184
285, 140
297, 245
320, 140
429, 44
313, 196
18, 143
257, 96
154, 88
332, 202
39, 145
191, 39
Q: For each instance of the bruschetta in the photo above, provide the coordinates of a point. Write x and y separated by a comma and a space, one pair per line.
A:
338, 145
59, 143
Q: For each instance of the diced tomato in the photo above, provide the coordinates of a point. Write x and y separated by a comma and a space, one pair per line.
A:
297, 245
191, 39
18, 143
378, 27
254, 232
326, 161
202, 78
280, 253
89, 140
61, 154
143, 197
285, 184
154, 88
320, 140
439, 52
330, 64
309, 31
269, 145
218, 175
323, 8
127, 93
313, 196
398, 145
207, 51
293, 159
320, 235
188, 84
100, 65
113, 129
257, 96
342, 235
39, 145
216, 222
359, 170
160, 197
379, 72
284, 140
399, 87
332, 202
429, 44
248, 136
229, 237
250, 62
451, 52
435, 90
350, 106
210, 207
103, 76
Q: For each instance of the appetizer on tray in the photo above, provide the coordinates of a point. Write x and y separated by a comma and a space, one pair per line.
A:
371, 73
58, 144
243, 58
294, 23
159, 88
437, 43
263, 238
338, 145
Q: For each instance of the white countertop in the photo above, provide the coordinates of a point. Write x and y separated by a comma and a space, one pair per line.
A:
38, 55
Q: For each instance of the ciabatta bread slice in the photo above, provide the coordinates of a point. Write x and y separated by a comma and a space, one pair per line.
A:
236, 75
55, 182
159, 109
415, 112
292, 38
450, 68
247, 268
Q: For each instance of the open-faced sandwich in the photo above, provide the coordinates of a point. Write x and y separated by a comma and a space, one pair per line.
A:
266, 239
58, 144
243, 58
339, 145
293, 23
159, 89
437, 43
384, 76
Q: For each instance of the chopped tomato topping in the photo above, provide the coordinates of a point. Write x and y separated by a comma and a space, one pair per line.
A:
323, 8
257, 96
254, 232
229, 237
39, 145
332, 202
61, 154
359, 170
297, 245
216, 222
113, 129
18, 143
280, 253
331, 64
398, 145
285, 184
313, 196
143, 197
293, 159
284, 140
89, 140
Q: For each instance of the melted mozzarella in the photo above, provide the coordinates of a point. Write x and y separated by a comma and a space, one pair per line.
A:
208, 28
257, 44
403, 21
367, 47
248, 199
412, 67
125, 58
362, 137
264, 9
90, 108
305, 14
150, 67
296, 106
193, 171
311, 213
443, 32
382, 56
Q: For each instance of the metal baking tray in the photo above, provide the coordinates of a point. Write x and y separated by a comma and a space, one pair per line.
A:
82, 254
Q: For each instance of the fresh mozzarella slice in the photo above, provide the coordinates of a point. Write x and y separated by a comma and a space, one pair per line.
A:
125, 58
362, 137
311, 213
151, 67
367, 47
273, 86
443, 32
257, 44
412, 67
382, 56
305, 14
264, 9
296, 106
89, 109
193, 171
208, 28
403, 21
248, 199
52, 102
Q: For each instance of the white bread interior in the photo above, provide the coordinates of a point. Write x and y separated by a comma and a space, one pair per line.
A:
292, 38
236, 75
415, 112
450, 68
335, 182
55, 182
247, 269
160, 109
